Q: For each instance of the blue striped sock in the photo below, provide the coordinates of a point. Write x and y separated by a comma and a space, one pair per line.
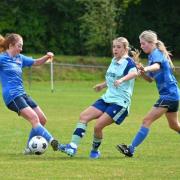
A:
96, 143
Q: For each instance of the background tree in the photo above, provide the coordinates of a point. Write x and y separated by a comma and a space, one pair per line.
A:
87, 27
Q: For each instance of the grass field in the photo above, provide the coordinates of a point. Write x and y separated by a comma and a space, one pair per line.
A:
157, 158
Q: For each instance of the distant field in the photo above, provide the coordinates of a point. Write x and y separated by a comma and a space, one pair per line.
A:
89, 59
76, 73
158, 158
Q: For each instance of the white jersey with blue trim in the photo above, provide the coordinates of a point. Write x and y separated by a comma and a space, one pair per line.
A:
120, 95
165, 80
11, 75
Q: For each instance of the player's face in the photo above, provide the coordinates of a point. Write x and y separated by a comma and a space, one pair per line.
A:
118, 50
17, 47
147, 47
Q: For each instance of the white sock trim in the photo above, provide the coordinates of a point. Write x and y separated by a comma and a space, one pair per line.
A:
73, 145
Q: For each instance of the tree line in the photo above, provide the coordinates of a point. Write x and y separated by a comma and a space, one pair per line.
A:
87, 27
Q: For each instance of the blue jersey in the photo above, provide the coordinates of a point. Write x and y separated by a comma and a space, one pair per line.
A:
120, 95
11, 75
165, 80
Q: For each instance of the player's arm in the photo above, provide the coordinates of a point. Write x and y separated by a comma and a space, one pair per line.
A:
129, 76
42, 60
99, 87
151, 68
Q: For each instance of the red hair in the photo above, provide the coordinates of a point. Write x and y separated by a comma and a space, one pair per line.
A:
7, 40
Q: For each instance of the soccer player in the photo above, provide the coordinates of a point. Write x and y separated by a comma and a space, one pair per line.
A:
113, 106
14, 95
160, 68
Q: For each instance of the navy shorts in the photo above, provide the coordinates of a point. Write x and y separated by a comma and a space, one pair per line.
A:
21, 102
116, 112
172, 106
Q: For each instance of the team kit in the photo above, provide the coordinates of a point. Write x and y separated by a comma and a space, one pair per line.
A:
111, 108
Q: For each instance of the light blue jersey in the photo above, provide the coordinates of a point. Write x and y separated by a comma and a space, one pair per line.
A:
120, 95
11, 75
165, 80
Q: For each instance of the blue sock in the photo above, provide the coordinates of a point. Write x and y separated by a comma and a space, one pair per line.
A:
31, 135
139, 138
41, 131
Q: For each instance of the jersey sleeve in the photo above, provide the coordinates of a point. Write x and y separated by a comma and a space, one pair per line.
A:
157, 57
27, 61
130, 67
134, 69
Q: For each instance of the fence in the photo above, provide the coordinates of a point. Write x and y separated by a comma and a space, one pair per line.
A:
59, 67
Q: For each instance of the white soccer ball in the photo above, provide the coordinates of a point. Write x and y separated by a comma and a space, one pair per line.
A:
38, 145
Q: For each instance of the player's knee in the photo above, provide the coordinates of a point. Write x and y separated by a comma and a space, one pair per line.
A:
84, 118
34, 119
43, 120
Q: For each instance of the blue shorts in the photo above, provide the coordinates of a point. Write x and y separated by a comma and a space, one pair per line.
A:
21, 102
116, 112
172, 106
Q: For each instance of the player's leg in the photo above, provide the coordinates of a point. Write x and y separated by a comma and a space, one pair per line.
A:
103, 121
29, 114
154, 114
113, 114
86, 116
41, 115
172, 118
172, 115
92, 112
42, 118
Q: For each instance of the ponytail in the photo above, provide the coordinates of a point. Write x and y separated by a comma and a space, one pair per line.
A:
163, 49
135, 55
2, 41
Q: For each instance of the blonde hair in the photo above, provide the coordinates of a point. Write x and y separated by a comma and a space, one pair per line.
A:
134, 54
7, 40
151, 37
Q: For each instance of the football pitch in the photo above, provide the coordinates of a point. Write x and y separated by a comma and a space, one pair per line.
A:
157, 158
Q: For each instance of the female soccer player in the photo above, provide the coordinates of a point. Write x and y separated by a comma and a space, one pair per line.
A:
160, 68
113, 106
15, 98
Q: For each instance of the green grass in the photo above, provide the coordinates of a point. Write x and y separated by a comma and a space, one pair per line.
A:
90, 59
75, 73
157, 158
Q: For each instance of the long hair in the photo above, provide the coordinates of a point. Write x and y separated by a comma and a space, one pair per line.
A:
7, 40
134, 54
151, 37
2, 39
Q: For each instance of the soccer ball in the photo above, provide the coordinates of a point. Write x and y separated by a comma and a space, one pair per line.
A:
38, 145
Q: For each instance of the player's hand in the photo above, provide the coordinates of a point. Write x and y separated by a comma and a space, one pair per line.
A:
118, 82
141, 68
98, 87
50, 56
